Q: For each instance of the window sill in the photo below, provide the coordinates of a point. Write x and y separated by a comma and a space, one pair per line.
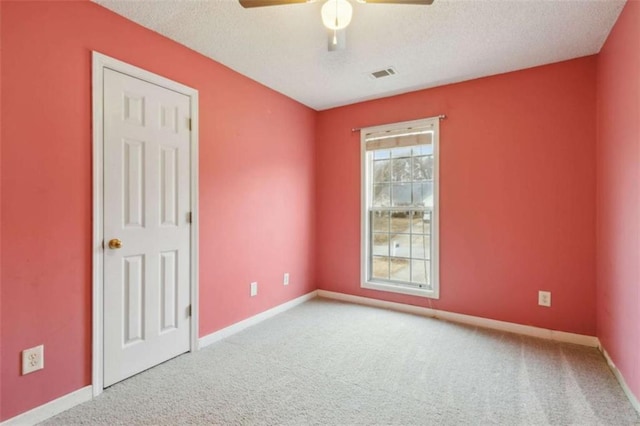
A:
392, 288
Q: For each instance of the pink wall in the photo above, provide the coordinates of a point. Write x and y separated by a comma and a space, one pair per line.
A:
517, 194
618, 199
256, 188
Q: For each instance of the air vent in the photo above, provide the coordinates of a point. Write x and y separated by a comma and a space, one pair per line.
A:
383, 73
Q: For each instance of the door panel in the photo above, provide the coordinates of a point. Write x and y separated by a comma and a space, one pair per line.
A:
133, 152
169, 290
169, 186
146, 206
133, 296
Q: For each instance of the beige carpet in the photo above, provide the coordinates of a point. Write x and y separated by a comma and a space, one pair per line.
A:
326, 362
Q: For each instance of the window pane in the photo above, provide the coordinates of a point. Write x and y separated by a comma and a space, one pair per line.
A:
401, 152
401, 245
420, 222
381, 195
422, 168
427, 222
380, 244
380, 267
423, 150
420, 271
400, 270
380, 221
400, 222
381, 170
401, 194
419, 247
401, 170
400, 189
422, 194
381, 154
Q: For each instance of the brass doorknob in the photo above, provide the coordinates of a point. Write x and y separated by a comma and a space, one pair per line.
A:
115, 244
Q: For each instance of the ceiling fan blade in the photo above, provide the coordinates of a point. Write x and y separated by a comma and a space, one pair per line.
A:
416, 2
262, 3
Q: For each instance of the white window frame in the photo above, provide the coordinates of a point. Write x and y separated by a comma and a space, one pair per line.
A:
365, 176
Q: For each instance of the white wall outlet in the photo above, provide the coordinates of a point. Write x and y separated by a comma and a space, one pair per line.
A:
544, 298
254, 289
32, 359
285, 281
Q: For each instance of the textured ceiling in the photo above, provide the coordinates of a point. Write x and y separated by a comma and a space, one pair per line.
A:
285, 47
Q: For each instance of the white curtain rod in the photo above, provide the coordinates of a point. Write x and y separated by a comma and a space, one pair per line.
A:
441, 117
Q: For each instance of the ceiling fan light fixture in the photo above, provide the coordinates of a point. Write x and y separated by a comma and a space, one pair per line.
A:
336, 14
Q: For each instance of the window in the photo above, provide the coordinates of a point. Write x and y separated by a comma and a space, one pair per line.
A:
400, 207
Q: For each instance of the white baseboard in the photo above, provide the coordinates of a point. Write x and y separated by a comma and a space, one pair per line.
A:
527, 330
51, 408
239, 326
623, 384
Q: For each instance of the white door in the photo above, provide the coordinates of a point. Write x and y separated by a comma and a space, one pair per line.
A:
146, 225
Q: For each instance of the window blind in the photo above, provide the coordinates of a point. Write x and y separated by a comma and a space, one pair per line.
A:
399, 138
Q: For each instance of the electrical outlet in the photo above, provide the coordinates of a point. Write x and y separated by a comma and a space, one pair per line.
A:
32, 359
285, 281
544, 298
254, 289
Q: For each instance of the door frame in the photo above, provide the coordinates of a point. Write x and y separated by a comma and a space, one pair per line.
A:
100, 62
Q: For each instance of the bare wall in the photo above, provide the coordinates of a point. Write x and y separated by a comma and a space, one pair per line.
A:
517, 194
618, 177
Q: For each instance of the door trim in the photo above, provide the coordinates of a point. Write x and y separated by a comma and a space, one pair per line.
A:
99, 63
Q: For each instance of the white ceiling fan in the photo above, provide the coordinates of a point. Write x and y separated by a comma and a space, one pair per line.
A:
336, 14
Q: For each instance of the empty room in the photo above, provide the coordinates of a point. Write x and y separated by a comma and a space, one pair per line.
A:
320, 212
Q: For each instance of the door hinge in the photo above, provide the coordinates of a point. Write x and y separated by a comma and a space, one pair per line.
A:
189, 311
189, 123
189, 218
